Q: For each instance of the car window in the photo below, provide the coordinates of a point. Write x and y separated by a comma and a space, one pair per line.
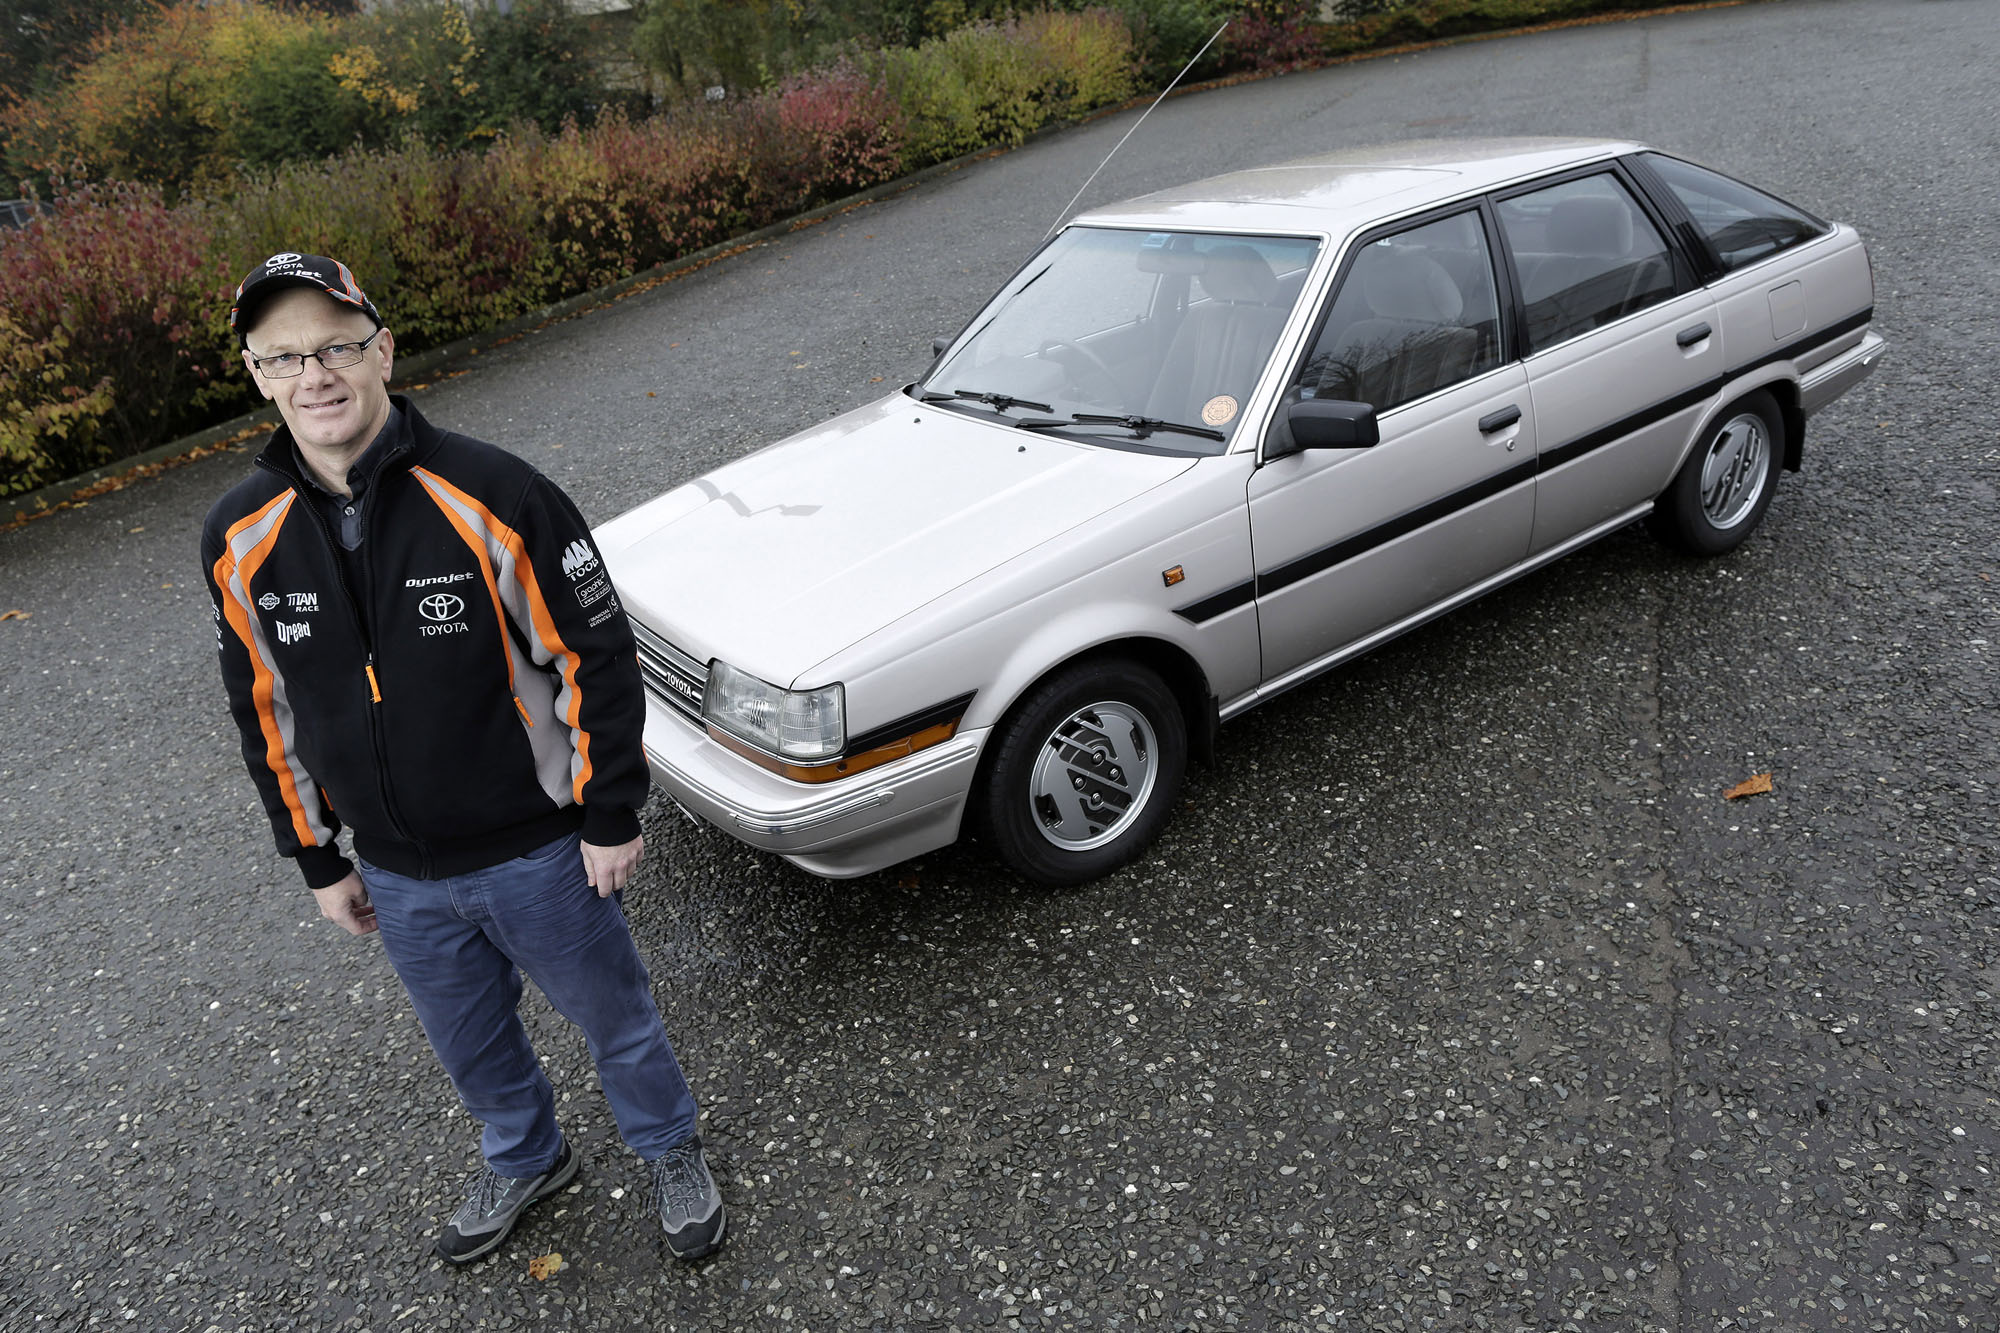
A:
1416, 313
1585, 254
1744, 225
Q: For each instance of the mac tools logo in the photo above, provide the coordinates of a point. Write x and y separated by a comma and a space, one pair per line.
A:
442, 609
579, 559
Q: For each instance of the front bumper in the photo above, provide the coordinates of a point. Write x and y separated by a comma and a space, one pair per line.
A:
850, 827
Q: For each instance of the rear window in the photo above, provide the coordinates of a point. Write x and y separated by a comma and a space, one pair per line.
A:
1744, 225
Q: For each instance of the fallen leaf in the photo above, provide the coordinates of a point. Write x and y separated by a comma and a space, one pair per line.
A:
651, 394
138, 529
166, 585
1749, 787
15, 615
545, 1267
874, 379
908, 882
673, 344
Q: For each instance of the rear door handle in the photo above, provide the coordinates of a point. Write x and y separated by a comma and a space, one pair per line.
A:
1500, 420
1689, 337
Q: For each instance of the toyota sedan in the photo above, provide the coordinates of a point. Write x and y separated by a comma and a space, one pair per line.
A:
1204, 446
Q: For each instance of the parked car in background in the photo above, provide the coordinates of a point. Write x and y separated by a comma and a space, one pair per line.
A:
1206, 445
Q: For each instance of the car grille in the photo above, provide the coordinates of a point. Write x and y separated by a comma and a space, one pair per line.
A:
674, 678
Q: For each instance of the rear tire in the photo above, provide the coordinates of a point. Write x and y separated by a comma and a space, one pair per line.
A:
1720, 494
1084, 772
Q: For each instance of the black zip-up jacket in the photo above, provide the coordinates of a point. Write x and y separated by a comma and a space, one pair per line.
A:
476, 697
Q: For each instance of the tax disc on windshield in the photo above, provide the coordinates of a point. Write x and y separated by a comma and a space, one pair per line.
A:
1219, 410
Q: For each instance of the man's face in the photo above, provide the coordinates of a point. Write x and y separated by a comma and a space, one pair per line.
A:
335, 410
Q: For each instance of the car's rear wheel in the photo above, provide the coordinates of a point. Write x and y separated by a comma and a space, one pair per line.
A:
1083, 772
1720, 494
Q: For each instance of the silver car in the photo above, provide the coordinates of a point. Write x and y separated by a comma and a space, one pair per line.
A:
1204, 446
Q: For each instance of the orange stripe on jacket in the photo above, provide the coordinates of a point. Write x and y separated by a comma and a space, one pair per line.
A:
471, 538
263, 683
543, 624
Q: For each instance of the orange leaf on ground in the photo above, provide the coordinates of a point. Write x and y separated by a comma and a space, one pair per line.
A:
1749, 787
15, 615
544, 1268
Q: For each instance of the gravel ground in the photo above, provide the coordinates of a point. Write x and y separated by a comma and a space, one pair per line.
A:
1456, 998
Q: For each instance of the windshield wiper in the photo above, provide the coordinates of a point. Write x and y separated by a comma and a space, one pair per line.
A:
1141, 426
999, 401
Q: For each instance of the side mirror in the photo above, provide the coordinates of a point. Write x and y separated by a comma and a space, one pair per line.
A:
1321, 423
937, 347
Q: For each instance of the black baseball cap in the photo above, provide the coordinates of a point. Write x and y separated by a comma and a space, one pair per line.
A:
288, 269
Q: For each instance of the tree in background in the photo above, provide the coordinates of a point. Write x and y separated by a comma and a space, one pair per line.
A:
39, 39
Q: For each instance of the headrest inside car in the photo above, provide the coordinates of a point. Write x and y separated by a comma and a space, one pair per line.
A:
1591, 224
1404, 285
1238, 273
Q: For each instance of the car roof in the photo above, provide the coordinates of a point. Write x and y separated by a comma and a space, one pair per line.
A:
1345, 188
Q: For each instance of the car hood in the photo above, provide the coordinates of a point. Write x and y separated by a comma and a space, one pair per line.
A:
778, 561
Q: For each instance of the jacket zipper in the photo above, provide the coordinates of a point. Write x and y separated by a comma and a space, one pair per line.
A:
376, 744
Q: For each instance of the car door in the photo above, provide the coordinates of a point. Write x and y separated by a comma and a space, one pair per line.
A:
1622, 349
1349, 542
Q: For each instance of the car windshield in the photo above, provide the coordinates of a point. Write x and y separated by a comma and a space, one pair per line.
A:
1136, 339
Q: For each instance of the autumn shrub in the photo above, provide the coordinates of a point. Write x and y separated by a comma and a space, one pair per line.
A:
117, 286
1167, 34
49, 419
1272, 34
1086, 60
822, 135
996, 83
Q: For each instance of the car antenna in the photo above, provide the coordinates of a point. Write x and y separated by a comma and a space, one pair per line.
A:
1135, 126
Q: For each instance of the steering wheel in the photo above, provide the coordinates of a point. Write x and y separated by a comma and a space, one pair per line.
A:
1054, 349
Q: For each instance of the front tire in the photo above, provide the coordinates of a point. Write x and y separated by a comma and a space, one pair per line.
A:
1084, 772
1720, 494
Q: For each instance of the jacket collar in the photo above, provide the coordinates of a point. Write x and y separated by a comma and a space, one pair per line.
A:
413, 440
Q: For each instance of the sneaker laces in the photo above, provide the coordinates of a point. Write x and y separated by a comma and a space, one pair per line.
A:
676, 1183
487, 1188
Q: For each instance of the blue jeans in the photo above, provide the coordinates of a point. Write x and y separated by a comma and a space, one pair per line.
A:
460, 945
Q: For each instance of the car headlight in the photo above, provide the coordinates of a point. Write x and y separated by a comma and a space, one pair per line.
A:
806, 725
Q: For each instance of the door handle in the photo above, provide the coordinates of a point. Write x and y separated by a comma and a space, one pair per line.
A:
1500, 420
1689, 337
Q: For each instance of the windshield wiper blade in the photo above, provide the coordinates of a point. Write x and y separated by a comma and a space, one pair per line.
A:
1000, 401
1144, 426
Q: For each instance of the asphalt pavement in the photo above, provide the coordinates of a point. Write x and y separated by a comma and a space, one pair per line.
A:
1456, 997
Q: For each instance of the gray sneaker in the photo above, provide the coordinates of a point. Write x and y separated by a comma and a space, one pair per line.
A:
689, 1204
495, 1204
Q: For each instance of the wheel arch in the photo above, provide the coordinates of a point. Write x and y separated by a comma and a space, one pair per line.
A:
1171, 662
1791, 415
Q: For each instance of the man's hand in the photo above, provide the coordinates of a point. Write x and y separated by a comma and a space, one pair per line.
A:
609, 868
346, 905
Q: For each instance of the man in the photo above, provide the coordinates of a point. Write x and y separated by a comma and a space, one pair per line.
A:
417, 633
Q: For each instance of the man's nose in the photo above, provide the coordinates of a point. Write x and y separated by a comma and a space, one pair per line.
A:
315, 372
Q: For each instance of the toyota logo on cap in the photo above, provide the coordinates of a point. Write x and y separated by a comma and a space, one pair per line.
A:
441, 606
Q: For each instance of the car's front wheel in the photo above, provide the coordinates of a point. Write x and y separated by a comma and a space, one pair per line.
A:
1083, 772
1720, 494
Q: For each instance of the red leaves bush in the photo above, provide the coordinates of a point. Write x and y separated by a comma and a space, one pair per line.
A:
124, 294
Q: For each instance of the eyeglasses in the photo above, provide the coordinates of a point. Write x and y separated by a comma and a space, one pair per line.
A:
333, 356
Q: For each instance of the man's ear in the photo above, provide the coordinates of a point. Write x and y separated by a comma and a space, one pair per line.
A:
250, 364
387, 342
